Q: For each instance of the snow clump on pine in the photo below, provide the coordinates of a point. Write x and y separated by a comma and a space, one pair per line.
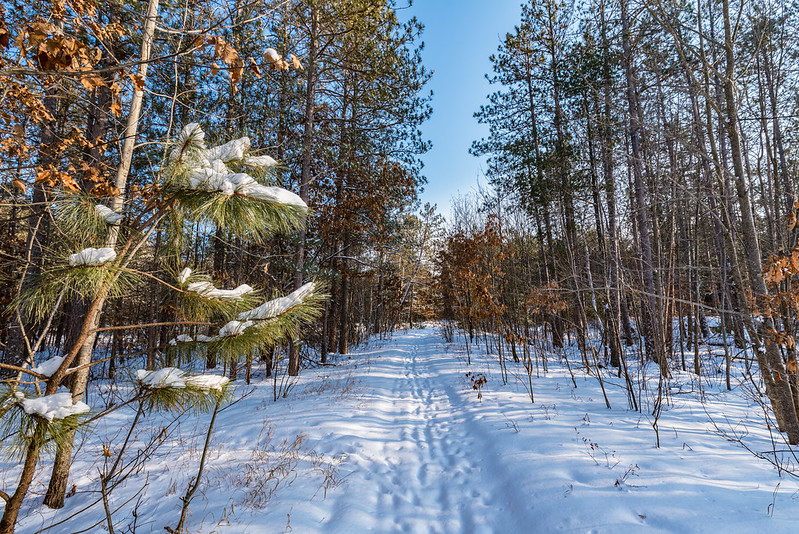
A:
207, 290
47, 368
275, 307
107, 214
56, 406
92, 256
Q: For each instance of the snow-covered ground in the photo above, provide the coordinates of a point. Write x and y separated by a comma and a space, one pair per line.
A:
394, 439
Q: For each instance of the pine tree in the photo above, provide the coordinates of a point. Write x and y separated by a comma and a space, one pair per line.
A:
203, 189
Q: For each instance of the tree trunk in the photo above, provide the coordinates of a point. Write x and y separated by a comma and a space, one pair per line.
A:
60, 475
14, 502
648, 298
305, 173
772, 368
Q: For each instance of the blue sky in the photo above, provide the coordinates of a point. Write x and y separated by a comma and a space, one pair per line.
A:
459, 36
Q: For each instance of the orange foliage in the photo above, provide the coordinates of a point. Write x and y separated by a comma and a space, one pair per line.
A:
545, 300
470, 274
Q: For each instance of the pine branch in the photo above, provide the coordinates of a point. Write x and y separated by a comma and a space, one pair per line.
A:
148, 325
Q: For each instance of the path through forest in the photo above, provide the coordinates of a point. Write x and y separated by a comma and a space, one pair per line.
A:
413, 449
425, 455
430, 466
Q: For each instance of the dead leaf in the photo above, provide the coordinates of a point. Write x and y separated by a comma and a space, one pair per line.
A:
295, 61
92, 81
236, 70
253, 66
105, 189
116, 108
38, 32
138, 81
19, 184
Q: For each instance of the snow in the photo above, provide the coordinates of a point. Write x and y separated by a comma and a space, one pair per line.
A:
208, 170
209, 179
275, 307
234, 328
267, 310
231, 151
92, 256
183, 338
410, 448
207, 290
56, 406
184, 275
272, 55
191, 134
47, 368
171, 377
274, 194
106, 213
207, 382
168, 377
260, 162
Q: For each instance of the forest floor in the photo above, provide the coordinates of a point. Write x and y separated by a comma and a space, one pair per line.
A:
393, 438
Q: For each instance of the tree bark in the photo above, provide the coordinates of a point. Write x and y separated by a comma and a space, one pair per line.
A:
60, 475
771, 366
305, 166
648, 298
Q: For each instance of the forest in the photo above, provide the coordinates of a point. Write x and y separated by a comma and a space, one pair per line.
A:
200, 195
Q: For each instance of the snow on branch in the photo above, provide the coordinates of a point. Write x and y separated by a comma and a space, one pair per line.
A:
56, 406
168, 377
259, 162
92, 256
172, 377
184, 275
192, 136
231, 151
208, 179
275, 307
272, 55
274, 194
107, 214
49, 367
207, 382
183, 338
234, 328
208, 170
207, 290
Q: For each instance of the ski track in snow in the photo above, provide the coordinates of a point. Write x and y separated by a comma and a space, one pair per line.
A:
429, 466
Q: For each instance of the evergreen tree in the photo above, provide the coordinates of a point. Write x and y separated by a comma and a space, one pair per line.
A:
222, 186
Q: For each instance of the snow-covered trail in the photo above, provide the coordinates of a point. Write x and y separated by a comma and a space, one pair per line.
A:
428, 465
410, 448
425, 455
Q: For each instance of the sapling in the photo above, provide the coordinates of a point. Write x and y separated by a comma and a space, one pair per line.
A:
478, 381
